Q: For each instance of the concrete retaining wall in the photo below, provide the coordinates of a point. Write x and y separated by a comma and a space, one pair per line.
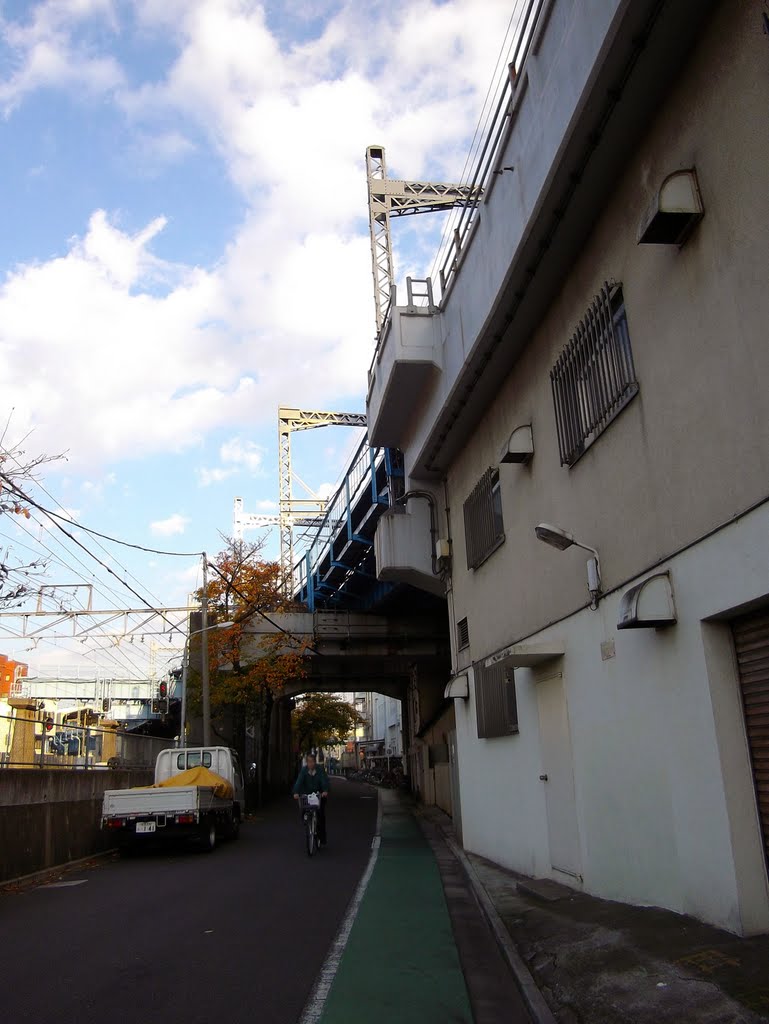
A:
50, 817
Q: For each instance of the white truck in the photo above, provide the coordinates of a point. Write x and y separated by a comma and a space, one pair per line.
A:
136, 817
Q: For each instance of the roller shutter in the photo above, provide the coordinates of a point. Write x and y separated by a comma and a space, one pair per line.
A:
751, 642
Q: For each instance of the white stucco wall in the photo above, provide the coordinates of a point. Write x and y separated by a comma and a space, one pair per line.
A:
664, 795
664, 798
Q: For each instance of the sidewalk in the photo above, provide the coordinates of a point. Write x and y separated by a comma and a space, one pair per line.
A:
419, 950
598, 962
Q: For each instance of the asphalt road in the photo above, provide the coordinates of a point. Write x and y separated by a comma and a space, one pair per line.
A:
176, 937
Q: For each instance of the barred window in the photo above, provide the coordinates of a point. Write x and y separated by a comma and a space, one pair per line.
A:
484, 527
496, 708
594, 377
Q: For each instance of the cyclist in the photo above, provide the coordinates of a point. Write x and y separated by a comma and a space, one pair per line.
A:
313, 779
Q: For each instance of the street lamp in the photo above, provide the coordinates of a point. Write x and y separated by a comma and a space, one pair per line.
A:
204, 680
562, 539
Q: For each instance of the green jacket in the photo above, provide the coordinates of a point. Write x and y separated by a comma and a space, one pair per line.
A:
317, 783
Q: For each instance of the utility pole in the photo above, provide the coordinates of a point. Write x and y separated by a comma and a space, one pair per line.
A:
204, 681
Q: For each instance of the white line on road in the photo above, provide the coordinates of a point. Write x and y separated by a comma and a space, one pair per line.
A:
313, 1010
63, 885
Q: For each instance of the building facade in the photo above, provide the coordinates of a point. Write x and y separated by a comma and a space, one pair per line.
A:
596, 368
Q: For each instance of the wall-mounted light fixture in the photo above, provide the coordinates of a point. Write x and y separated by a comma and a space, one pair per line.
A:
561, 539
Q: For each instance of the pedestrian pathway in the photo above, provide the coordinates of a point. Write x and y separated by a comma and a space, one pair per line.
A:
400, 961
599, 962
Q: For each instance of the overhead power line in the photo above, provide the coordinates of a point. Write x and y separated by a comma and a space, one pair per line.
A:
252, 608
55, 520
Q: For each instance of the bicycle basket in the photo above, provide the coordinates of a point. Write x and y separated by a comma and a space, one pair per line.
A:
310, 800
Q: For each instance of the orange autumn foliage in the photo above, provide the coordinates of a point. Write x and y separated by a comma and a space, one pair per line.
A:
245, 671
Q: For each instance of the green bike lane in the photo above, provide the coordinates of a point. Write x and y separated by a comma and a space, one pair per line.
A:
400, 961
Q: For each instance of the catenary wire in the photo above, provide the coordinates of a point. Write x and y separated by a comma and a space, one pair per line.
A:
483, 120
252, 608
88, 580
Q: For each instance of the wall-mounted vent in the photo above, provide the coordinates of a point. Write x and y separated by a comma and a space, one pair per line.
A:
463, 634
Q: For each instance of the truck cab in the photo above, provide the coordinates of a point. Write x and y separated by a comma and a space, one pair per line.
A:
222, 761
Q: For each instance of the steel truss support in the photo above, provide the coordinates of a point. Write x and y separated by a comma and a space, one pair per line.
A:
257, 521
126, 616
390, 198
289, 508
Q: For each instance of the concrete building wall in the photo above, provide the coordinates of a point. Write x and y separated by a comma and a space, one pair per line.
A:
692, 449
647, 724
663, 791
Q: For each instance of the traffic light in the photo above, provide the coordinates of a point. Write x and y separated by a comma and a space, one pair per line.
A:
105, 704
160, 701
48, 724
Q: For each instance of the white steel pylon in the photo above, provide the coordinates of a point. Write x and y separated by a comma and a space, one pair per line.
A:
262, 520
289, 508
247, 520
390, 198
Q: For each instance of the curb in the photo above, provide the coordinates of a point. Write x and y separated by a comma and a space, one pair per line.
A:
535, 1002
43, 872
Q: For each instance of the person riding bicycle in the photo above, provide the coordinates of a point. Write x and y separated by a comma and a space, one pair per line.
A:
313, 779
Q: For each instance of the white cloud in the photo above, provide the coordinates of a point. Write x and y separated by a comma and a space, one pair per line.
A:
242, 453
95, 488
217, 475
146, 366
235, 454
156, 356
45, 55
171, 526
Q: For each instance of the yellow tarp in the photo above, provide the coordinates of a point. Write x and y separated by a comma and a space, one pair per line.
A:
200, 776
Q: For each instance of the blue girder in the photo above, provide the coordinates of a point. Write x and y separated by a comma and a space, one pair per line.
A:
338, 568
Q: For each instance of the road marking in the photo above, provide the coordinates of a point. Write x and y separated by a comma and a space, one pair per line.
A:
313, 1010
63, 885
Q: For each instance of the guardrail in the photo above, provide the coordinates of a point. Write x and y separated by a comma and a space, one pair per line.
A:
35, 740
525, 18
361, 475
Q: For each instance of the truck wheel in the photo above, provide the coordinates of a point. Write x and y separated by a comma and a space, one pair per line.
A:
208, 836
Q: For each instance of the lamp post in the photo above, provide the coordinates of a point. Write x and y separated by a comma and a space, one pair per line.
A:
185, 667
562, 539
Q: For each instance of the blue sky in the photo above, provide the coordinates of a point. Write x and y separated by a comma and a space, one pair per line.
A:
185, 242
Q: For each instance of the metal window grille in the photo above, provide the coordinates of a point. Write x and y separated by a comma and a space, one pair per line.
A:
594, 377
495, 705
463, 634
484, 526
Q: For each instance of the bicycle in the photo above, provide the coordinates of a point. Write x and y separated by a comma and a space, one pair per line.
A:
310, 805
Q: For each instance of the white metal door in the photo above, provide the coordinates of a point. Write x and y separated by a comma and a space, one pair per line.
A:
558, 777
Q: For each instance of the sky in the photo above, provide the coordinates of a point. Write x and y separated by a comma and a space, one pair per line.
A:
185, 248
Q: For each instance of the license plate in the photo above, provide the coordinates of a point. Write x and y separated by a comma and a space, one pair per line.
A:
145, 826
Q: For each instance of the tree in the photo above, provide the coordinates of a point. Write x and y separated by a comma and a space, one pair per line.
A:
247, 676
322, 719
18, 580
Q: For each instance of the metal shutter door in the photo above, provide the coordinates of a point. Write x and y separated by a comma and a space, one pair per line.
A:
751, 641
